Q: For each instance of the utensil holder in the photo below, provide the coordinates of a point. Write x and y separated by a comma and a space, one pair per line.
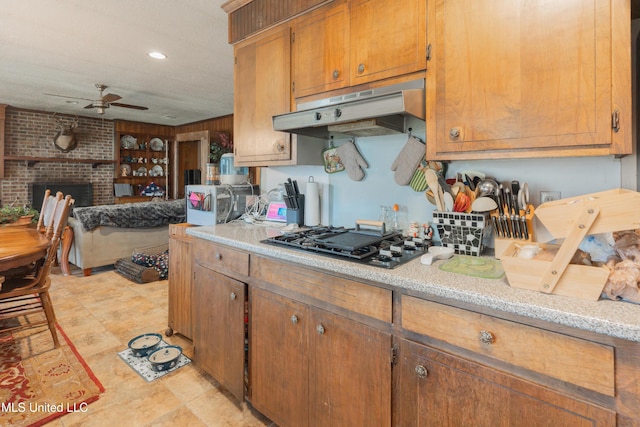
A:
296, 216
465, 233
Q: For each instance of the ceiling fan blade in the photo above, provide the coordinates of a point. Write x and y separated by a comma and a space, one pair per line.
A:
110, 97
69, 97
135, 107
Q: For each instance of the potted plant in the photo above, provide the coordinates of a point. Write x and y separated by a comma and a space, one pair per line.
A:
18, 215
217, 148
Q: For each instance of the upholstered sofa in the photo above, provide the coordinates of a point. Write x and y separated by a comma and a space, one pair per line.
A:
100, 235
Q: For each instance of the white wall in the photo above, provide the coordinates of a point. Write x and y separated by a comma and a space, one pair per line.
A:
350, 200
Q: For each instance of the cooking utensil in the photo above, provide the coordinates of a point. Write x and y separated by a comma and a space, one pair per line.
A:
484, 204
448, 202
461, 203
487, 187
436, 252
432, 181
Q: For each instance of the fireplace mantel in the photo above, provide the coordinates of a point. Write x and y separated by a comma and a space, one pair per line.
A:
33, 160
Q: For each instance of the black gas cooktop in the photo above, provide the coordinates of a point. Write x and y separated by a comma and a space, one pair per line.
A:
380, 249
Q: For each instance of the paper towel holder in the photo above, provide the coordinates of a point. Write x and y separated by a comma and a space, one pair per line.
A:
312, 203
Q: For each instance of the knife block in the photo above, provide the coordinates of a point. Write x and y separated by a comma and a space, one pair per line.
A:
296, 216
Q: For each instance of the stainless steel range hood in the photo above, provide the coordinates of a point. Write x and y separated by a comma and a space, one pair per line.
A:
372, 112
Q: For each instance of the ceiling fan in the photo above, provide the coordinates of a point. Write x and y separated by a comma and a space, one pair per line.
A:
104, 102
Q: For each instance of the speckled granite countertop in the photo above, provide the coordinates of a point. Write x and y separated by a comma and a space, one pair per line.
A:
617, 319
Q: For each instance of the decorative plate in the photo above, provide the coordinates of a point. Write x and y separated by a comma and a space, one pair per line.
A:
156, 171
142, 171
156, 144
125, 170
128, 141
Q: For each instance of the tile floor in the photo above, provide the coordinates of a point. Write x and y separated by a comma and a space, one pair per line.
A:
100, 314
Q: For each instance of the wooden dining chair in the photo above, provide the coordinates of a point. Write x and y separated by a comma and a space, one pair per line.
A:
49, 203
44, 226
28, 295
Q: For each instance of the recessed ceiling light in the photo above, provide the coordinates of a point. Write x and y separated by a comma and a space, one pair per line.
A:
169, 117
71, 102
157, 55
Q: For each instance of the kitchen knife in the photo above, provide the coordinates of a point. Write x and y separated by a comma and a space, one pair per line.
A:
503, 218
293, 202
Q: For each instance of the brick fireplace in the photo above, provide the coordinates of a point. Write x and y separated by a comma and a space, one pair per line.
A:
30, 133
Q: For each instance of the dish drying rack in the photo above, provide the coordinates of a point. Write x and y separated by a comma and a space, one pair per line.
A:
572, 219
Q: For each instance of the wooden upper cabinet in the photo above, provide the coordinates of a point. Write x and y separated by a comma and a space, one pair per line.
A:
320, 57
261, 83
528, 79
388, 39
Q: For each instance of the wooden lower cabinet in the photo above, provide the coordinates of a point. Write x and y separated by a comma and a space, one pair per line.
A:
311, 367
180, 280
218, 334
435, 388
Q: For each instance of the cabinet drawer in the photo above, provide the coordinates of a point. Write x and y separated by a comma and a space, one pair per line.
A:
221, 258
580, 362
355, 296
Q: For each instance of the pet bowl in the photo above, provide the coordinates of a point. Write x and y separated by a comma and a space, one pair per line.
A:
165, 358
144, 344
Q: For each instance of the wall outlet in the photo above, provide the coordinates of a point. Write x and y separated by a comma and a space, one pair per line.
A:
549, 196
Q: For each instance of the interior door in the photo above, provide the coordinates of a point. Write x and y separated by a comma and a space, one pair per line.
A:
190, 151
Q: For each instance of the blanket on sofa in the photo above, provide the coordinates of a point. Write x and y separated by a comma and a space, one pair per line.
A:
132, 215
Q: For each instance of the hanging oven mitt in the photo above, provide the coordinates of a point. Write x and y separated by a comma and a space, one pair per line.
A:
352, 160
419, 182
407, 161
332, 163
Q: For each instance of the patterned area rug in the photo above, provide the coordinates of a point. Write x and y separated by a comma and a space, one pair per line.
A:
46, 384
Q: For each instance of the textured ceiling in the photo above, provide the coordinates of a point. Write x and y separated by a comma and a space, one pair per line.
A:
65, 47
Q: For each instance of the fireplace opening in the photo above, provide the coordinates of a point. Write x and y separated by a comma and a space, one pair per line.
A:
82, 193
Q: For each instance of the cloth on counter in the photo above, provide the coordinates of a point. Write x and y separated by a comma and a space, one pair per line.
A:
408, 161
352, 160
132, 215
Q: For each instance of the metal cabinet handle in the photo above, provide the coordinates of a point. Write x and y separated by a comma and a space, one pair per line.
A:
335, 74
454, 133
486, 337
233, 296
219, 256
421, 371
361, 68
318, 115
294, 319
280, 148
320, 329
337, 113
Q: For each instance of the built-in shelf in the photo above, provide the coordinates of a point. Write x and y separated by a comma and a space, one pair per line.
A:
33, 160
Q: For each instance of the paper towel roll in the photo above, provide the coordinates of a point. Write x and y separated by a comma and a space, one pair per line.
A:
312, 204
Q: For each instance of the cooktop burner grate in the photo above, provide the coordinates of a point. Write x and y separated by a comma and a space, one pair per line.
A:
387, 250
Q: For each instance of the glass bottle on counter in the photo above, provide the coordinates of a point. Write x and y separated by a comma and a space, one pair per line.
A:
395, 220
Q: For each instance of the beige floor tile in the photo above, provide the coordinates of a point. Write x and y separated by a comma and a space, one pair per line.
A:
180, 417
100, 314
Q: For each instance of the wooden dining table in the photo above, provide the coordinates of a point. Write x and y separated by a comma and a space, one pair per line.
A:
20, 246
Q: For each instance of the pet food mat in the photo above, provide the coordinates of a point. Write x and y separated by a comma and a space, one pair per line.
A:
143, 367
484, 267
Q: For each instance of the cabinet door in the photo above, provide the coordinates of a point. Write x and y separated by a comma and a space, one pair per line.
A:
262, 80
524, 79
218, 336
387, 39
320, 56
349, 373
437, 389
180, 285
279, 371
